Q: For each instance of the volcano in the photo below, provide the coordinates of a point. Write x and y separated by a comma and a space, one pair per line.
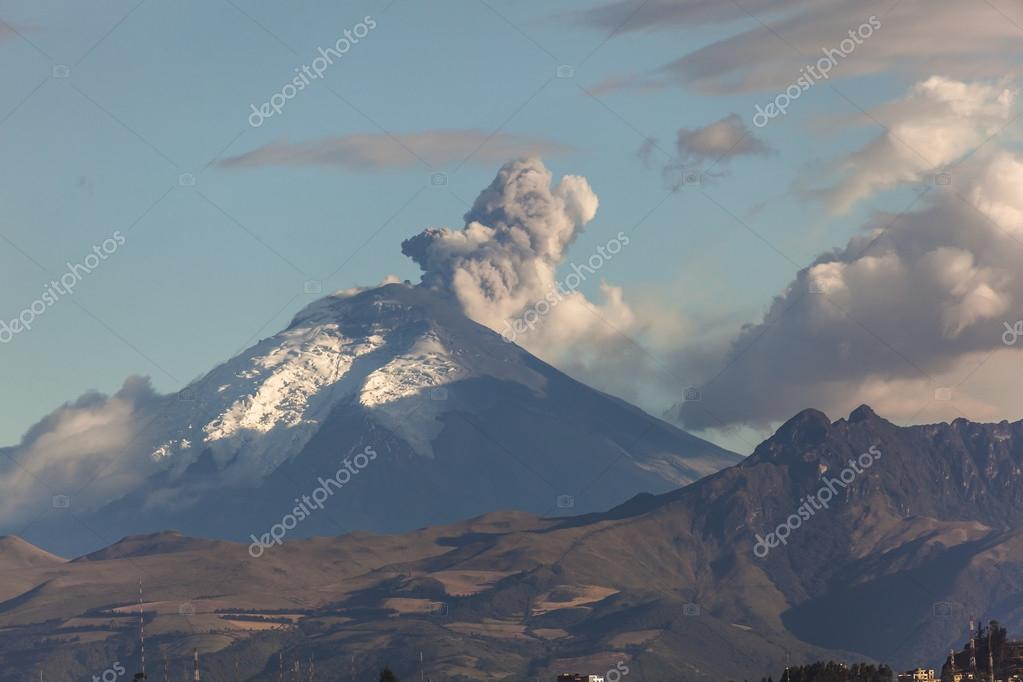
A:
458, 423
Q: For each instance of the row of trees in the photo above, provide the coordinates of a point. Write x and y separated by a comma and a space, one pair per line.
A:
831, 671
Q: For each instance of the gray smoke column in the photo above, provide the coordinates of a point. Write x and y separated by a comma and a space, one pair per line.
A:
515, 236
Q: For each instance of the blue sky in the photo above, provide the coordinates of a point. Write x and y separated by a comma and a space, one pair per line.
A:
156, 93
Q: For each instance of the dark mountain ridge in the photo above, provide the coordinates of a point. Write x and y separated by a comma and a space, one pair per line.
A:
907, 549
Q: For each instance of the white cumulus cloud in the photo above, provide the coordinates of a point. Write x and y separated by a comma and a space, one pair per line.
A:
936, 123
916, 303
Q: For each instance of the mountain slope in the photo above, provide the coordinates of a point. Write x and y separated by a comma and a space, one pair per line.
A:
20, 565
893, 568
912, 546
455, 421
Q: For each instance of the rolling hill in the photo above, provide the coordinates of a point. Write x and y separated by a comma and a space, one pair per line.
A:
672, 585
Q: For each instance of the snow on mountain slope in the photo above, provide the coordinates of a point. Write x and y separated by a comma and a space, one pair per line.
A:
266, 402
392, 350
260, 409
427, 365
464, 423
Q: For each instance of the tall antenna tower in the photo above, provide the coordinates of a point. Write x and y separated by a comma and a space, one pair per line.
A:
990, 657
195, 665
141, 675
973, 650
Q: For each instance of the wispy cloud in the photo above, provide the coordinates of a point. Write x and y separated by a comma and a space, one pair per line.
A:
922, 37
379, 151
724, 139
706, 150
626, 16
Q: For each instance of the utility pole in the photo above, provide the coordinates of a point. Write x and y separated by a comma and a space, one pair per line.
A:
973, 650
141, 675
990, 657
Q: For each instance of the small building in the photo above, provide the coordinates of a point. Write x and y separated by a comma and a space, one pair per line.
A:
917, 675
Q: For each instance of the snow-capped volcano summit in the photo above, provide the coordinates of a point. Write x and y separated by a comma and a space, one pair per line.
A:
462, 422
267, 402
390, 351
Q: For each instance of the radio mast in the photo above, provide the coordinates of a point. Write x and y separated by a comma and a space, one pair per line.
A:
141, 675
